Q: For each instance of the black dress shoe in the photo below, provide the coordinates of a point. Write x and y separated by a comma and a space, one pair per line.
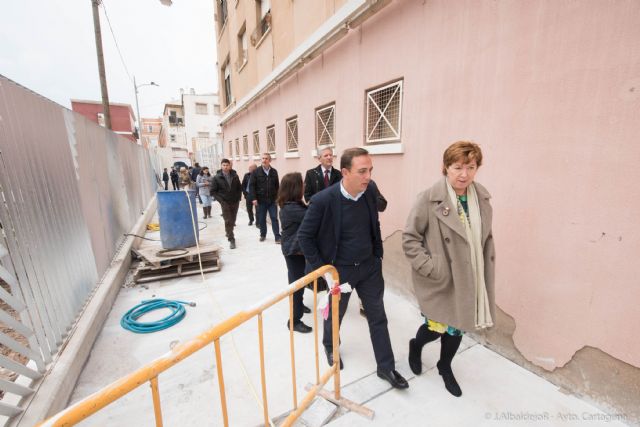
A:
262, 238
300, 327
250, 222
330, 358
450, 382
415, 362
306, 309
394, 378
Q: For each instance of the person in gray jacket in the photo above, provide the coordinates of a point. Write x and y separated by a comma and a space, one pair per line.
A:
449, 243
203, 183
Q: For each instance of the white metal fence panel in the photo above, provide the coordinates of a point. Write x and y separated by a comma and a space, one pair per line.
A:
69, 190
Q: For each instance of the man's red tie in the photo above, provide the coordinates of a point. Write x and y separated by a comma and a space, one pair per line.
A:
326, 178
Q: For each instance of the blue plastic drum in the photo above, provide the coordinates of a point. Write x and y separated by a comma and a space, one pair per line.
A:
176, 221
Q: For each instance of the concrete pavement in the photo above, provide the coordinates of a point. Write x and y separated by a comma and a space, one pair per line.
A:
495, 390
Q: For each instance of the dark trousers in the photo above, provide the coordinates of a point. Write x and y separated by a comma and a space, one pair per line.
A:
261, 215
166, 185
249, 209
175, 184
367, 280
295, 270
229, 213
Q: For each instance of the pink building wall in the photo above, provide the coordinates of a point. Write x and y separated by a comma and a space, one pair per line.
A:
551, 91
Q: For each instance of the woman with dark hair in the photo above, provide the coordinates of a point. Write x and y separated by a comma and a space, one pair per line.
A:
292, 210
449, 242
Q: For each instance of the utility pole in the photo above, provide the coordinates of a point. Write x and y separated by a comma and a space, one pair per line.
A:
103, 76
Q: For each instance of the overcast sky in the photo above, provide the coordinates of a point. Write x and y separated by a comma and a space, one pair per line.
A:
49, 47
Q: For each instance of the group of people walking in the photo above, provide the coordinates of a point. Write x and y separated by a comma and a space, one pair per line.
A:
332, 217
447, 239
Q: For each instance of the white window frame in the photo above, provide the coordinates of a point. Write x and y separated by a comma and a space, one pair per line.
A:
271, 140
256, 144
200, 105
292, 134
245, 146
322, 125
382, 109
230, 149
237, 156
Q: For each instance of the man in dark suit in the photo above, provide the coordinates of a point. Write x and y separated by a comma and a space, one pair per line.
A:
263, 187
322, 176
341, 228
245, 191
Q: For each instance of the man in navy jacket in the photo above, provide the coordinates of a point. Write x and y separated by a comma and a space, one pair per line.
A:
341, 228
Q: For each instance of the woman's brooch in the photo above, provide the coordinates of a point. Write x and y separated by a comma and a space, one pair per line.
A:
445, 211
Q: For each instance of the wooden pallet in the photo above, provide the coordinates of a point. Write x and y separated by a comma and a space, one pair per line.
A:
150, 254
155, 267
149, 273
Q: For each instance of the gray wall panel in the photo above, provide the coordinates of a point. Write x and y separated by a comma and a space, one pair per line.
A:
69, 190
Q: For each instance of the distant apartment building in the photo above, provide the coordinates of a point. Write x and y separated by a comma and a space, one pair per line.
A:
172, 133
150, 132
549, 89
122, 117
191, 130
202, 127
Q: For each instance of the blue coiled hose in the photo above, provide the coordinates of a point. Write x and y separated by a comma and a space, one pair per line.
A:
130, 319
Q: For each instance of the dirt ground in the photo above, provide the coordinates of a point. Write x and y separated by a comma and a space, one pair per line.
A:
6, 374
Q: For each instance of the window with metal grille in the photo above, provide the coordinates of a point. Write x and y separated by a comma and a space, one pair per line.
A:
384, 113
237, 148
325, 130
292, 134
256, 143
230, 149
271, 139
245, 145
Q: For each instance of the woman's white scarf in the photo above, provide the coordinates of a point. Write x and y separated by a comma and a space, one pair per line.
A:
473, 229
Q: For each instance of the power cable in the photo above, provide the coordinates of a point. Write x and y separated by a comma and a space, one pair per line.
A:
116, 41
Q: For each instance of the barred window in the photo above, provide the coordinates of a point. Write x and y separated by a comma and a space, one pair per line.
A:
245, 145
325, 131
271, 139
292, 134
237, 148
230, 149
256, 143
384, 113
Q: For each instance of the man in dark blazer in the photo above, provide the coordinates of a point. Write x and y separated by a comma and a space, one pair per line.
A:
341, 228
247, 194
264, 184
227, 190
322, 176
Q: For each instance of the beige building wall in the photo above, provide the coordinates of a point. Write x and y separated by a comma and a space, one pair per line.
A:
292, 22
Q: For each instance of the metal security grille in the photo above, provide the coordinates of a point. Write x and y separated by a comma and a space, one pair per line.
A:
325, 119
271, 139
256, 143
237, 148
245, 145
292, 134
384, 110
60, 228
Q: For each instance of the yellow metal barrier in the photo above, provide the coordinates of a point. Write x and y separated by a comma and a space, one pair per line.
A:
149, 373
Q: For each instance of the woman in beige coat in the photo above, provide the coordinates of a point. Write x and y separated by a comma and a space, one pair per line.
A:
448, 241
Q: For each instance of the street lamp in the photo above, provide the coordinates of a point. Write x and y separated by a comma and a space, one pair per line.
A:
135, 86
